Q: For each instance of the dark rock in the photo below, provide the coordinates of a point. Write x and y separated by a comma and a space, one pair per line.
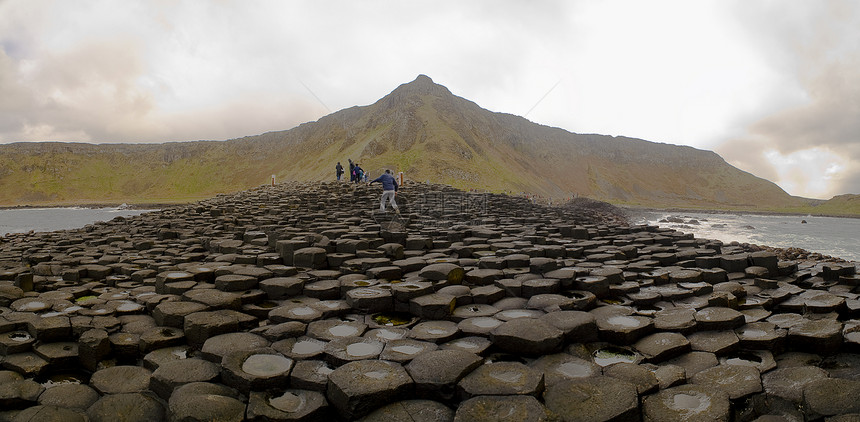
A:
257, 370
290, 405
830, 397
129, 407
19, 394
788, 383
593, 399
661, 346
735, 380
501, 409
203, 401
121, 379
527, 336
501, 378
172, 374
357, 388
687, 403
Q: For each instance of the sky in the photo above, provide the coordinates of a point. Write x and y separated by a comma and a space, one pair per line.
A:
772, 86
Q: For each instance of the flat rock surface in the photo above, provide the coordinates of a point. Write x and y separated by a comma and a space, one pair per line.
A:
593, 399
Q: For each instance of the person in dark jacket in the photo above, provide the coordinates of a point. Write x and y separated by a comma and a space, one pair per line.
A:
339, 170
359, 173
389, 190
351, 170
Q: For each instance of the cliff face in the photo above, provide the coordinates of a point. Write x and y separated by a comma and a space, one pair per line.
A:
420, 128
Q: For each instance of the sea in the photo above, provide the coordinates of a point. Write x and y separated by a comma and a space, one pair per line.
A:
23, 220
837, 237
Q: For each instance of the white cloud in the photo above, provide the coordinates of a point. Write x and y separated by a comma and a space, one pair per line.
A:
700, 73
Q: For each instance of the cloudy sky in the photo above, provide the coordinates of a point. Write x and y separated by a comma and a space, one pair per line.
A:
772, 86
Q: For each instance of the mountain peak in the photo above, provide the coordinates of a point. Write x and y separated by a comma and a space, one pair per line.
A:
422, 85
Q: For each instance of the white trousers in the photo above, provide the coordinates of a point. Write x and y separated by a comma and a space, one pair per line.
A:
390, 195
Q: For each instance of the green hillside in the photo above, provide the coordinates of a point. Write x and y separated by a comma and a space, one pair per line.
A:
421, 129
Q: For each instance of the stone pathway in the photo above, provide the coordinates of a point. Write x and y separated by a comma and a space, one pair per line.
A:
301, 302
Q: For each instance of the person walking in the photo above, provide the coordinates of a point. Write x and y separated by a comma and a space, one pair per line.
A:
389, 190
351, 170
339, 170
359, 173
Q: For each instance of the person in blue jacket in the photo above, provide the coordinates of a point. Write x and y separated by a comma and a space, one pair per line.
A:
389, 190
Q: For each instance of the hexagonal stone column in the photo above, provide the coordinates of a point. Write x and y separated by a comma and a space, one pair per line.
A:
694, 403
436, 373
737, 381
593, 399
501, 378
290, 405
528, 336
501, 409
831, 396
357, 388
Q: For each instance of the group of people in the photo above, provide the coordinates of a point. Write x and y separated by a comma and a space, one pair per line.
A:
389, 184
356, 173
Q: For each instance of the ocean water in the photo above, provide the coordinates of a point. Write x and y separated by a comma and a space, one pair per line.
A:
838, 237
23, 220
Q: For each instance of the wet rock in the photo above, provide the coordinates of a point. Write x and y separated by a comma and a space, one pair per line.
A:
55, 328
675, 319
77, 396
404, 350
282, 287
717, 342
257, 369
788, 383
562, 366
288, 405
203, 401
822, 336
645, 380
737, 381
51, 414
216, 348
576, 326
128, 406
687, 403
527, 336
28, 364
658, 347
432, 306
443, 271
15, 342
436, 373
501, 378
310, 375
121, 379
501, 409
623, 329
694, 362
357, 388
311, 257
593, 399
831, 396
172, 314
717, 318
172, 374
343, 350
19, 394
200, 326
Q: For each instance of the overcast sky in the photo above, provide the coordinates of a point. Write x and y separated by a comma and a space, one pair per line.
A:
772, 86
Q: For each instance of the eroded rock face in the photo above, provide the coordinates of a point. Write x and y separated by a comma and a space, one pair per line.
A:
296, 302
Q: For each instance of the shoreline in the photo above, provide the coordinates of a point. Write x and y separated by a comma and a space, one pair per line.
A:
96, 205
731, 212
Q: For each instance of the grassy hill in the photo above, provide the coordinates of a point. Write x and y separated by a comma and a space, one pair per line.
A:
420, 128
